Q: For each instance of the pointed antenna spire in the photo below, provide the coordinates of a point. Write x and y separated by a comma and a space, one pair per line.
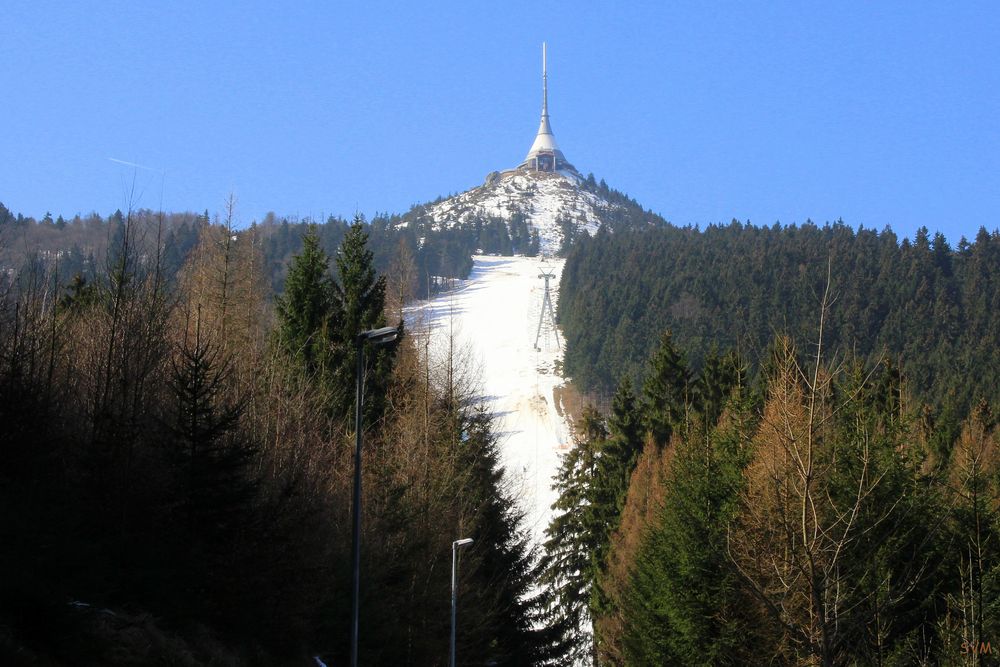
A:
544, 154
545, 84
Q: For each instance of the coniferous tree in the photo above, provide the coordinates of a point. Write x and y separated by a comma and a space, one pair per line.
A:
683, 604
359, 297
510, 612
665, 393
308, 316
79, 294
884, 592
534, 245
715, 382
592, 483
567, 569
214, 475
616, 459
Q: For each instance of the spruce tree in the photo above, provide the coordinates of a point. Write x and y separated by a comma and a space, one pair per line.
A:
214, 481
308, 316
202, 426
359, 300
592, 483
888, 574
615, 461
665, 392
683, 605
503, 616
567, 567
625, 424
718, 377
534, 244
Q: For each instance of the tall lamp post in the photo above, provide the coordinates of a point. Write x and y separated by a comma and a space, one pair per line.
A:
454, 586
375, 337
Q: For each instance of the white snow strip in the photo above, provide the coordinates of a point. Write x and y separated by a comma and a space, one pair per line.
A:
492, 319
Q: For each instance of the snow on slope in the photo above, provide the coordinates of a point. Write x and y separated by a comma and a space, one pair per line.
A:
540, 196
494, 317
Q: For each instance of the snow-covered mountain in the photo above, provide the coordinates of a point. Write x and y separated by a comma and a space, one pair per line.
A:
551, 203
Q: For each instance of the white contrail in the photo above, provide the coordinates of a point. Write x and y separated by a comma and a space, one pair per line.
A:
137, 166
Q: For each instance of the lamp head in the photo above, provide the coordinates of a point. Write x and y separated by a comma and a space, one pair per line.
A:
462, 542
379, 336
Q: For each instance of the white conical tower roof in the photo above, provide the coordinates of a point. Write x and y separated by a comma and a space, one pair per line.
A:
545, 142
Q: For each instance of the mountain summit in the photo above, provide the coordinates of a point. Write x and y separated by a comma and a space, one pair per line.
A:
553, 204
544, 195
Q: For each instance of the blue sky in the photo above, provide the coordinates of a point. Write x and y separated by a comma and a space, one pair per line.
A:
877, 113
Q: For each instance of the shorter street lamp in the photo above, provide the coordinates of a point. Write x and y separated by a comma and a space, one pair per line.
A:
375, 337
454, 570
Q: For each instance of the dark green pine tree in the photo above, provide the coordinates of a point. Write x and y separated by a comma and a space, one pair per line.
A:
615, 461
889, 573
665, 392
718, 377
359, 298
592, 484
566, 566
79, 294
625, 423
683, 604
308, 317
503, 616
534, 244
214, 479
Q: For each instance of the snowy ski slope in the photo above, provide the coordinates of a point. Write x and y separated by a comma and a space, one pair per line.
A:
493, 318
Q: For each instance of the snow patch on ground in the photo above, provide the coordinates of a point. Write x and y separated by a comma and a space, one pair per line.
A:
492, 320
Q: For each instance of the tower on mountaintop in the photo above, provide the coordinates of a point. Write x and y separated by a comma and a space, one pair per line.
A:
544, 154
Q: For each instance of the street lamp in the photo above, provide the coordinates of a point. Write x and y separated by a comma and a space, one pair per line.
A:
454, 570
375, 337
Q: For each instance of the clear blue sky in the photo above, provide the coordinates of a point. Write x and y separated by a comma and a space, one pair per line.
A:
878, 113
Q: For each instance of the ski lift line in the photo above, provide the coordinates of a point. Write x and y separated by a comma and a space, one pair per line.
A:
547, 307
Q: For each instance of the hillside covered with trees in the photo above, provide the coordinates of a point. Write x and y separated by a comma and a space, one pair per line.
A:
800, 464
805, 518
932, 308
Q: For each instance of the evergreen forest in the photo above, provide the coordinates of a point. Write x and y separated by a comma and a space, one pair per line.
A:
808, 517
176, 464
930, 308
800, 461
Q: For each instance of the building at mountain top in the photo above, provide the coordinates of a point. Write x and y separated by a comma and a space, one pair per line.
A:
544, 154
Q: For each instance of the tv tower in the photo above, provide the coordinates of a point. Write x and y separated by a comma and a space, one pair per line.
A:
544, 154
